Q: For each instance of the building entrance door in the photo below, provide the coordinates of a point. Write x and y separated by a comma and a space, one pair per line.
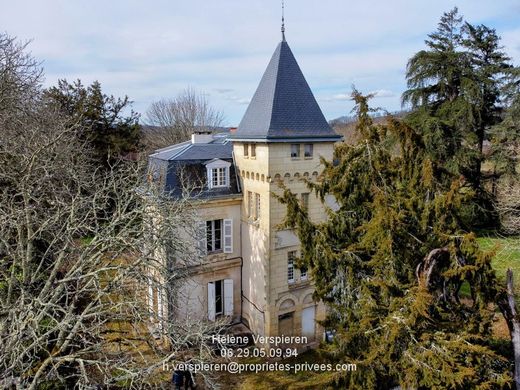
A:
308, 324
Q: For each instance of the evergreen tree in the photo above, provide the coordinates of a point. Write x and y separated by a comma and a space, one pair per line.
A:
101, 119
390, 263
505, 138
455, 90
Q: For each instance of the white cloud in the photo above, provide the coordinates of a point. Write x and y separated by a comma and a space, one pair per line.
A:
341, 97
155, 49
223, 90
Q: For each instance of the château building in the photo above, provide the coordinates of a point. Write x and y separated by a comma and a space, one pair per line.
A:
249, 271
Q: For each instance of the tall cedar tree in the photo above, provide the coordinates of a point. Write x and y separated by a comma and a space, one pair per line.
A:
390, 261
505, 139
103, 121
455, 90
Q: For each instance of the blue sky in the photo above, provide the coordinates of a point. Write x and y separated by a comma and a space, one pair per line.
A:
154, 49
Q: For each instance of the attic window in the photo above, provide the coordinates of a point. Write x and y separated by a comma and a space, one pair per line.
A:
218, 173
308, 152
295, 150
218, 177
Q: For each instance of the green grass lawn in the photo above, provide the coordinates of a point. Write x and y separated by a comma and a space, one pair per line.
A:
507, 255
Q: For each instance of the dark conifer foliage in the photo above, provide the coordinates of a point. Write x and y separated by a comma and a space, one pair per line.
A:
390, 263
456, 91
105, 122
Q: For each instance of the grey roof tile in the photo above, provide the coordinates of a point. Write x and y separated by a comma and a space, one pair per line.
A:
190, 151
283, 105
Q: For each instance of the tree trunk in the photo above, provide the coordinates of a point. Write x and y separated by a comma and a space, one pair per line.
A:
507, 305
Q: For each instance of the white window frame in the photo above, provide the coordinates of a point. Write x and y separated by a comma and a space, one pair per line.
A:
218, 177
298, 151
311, 154
257, 206
226, 294
304, 274
220, 168
250, 206
211, 236
291, 256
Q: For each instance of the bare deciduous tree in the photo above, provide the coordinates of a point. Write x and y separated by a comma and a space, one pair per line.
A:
80, 254
174, 120
508, 205
20, 74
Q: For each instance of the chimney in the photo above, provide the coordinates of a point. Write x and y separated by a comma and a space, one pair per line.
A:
201, 137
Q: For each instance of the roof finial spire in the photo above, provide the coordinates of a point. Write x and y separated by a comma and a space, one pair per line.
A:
283, 21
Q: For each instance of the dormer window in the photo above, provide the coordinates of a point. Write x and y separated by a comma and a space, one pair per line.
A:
218, 173
219, 177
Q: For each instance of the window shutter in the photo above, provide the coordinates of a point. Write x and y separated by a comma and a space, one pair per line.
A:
160, 303
228, 297
210, 181
150, 296
228, 236
202, 238
211, 301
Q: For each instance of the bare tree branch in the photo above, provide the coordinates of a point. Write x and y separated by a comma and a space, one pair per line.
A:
174, 120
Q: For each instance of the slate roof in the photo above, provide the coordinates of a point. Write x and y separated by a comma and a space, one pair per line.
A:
189, 160
283, 106
219, 148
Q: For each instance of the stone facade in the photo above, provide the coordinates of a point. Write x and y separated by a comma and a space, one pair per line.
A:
249, 274
265, 246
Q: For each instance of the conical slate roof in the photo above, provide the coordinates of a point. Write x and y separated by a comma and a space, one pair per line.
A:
283, 106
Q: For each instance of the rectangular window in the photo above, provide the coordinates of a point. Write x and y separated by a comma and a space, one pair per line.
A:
253, 150
219, 177
257, 206
214, 235
291, 256
305, 201
220, 298
308, 150
219, 307
246, 150
250, 204
303, 273
295, 150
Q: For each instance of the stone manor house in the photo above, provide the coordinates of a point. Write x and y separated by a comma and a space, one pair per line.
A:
249, 272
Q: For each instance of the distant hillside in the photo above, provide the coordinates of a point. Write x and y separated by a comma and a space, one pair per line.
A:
343, 120
148, 129
346, 125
